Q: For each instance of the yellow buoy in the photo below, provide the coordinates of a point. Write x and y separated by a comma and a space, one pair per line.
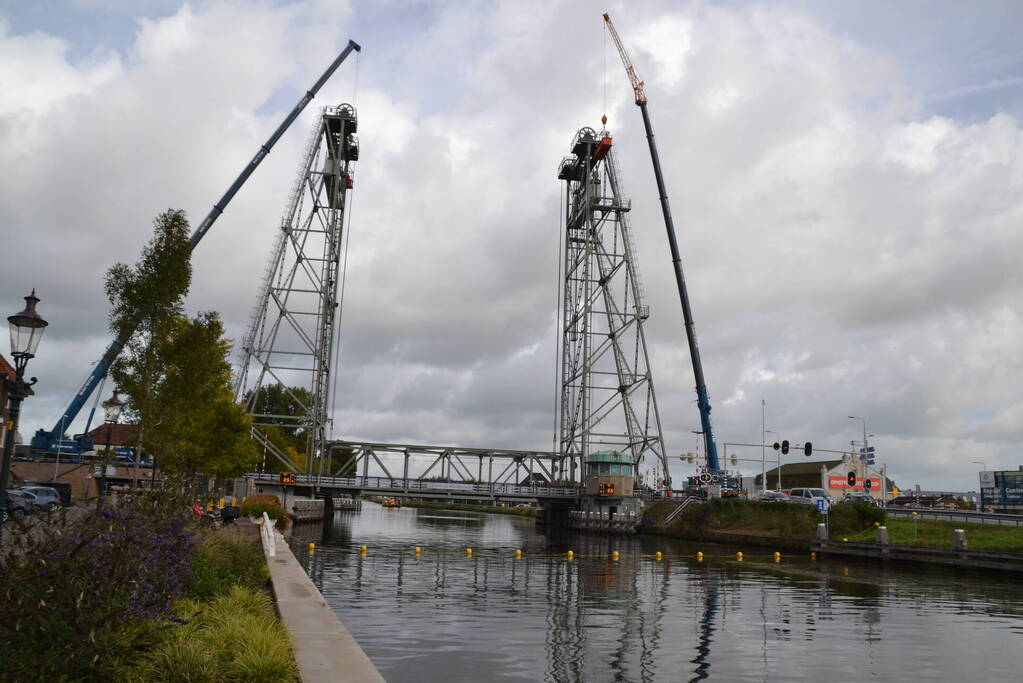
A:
699, 557
845, 571
418, 550
657, 555
877, 524
845, 540
777, 557
813, 556
518, 554
570, 554
468, 551
614, 555
363, 548
312, 548
738, 556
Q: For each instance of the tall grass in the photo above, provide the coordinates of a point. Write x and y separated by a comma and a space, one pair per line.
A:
234, 637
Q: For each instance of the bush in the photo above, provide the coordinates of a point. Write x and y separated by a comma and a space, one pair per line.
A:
852, 518
81, 592
236, 637
273, 510
223, 560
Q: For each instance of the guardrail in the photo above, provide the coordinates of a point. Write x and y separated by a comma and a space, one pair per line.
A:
968, 516
398, 485
686, 502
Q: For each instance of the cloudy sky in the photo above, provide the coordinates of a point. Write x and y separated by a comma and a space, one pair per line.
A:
847, 183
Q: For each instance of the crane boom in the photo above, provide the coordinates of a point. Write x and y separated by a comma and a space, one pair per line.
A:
53, 439
637, 85
702, 398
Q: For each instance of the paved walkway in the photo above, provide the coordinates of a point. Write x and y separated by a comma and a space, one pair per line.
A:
324, 649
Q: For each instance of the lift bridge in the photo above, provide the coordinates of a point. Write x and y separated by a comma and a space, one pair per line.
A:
607, 391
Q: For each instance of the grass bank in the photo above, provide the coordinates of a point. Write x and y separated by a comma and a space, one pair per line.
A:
752, 518
939, 534
517, 512
225, 628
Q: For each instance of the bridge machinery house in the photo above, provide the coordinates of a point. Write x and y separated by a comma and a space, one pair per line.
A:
608, 502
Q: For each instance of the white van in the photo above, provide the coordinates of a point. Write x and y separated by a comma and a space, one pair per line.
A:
809, 496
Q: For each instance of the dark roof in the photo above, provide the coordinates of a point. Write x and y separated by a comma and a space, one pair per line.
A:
120, 434
806, 473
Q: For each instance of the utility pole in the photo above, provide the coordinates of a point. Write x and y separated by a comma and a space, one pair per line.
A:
763, 445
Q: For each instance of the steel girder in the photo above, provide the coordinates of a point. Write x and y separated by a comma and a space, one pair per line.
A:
608, 400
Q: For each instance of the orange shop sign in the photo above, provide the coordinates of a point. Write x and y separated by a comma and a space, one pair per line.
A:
839, 482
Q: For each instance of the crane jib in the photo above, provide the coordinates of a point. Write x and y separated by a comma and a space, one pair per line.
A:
44, 440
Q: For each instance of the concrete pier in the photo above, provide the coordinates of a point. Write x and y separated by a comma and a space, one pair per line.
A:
324, 649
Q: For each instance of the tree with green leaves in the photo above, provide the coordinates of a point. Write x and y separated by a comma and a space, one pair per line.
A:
146, 299
278, 407
202, 429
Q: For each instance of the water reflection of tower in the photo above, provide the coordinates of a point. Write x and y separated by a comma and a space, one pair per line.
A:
605, 612
566, 641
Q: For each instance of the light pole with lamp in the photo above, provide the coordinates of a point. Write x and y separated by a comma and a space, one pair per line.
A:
776, 436
111, 414
984, 465
27, 329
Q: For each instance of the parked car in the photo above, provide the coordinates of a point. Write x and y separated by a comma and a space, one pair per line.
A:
45, 498
809, 496
19, 504
62, 488
860, 497
774, 497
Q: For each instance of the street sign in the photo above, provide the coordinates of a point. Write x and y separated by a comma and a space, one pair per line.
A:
822, 506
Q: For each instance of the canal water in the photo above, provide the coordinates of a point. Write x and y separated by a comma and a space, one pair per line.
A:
447, 616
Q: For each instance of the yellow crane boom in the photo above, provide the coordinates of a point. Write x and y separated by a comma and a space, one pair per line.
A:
637, 85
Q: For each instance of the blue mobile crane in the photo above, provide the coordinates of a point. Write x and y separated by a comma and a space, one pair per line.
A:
702, 400
53, 441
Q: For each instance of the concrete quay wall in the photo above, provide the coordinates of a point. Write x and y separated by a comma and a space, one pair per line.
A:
324, 649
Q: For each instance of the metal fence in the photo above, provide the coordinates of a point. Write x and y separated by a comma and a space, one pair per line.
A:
967, 516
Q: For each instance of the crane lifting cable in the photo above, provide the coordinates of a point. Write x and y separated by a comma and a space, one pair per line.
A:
702, 400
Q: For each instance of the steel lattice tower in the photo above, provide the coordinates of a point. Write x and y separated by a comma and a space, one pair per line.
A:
607, 392
293, 329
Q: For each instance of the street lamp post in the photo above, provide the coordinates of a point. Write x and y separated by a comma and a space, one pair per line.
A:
776, 436
978, 462
27, 329
111, 414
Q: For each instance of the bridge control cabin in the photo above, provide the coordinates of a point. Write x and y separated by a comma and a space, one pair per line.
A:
609, 502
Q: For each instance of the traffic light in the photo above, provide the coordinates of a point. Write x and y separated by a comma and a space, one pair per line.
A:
734, 460
866, 483
776, 445
851, 479
610, 489
808, 449
785, 447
